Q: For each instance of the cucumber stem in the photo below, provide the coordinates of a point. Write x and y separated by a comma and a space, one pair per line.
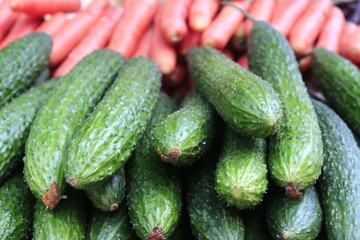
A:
292, 191
240, 9
52, 196
156, 234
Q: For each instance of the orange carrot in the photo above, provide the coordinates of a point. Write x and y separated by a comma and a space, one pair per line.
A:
201, 14
238, 41
42, 7
330, 35
349, 28
305, 64
97, 38
286, 13
219, 32
192, 39
136, 20
178, 76
260, 10
173, 20
352, 51
143, 48
97, 7
228, 53
8, 17
243, 61
53, 24
309, 25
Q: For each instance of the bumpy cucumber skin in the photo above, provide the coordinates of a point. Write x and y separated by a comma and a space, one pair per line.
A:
16, 208
339, 80
241, 174
247, 103
111, 225
294, 219
340, 179
108, 136
108, 195
21, 63
72, 99
154, 197
16, 118
295, 156
189, 129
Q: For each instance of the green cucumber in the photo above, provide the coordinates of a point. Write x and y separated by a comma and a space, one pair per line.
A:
241, 174
340, 179
294, 219
247, 103
72, 99
111, 225
108, 195
185, 135
108, 136
21, 63
154, 197
339, 80
295, 156
16, 118
16, 208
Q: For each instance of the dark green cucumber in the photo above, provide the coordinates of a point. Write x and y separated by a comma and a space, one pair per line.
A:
108, 136
255, 225
294, 219
21, 63
16, 208
247, 103
111, 225
185, 135
108, 195
295, 157
340, 179
241, 174
154, 197
72, 99
339, 80
15, 120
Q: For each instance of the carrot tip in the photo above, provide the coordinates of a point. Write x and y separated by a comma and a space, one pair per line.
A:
175, 39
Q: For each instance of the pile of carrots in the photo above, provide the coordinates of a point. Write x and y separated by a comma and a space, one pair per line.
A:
165, 30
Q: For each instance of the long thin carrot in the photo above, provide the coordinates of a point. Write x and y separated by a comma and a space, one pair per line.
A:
7, 18
173, 20
53, 24
286, 13
143, 49
96, 39
309, 25
349, 28
42, 7
260, 10
192, 39
136, 20
243, 61
219, 32
201, 13
352, 51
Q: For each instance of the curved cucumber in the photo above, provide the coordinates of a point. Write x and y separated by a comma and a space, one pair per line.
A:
108, 136
247, 103
72, 99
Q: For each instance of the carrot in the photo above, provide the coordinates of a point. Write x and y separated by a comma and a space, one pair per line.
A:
286, 13
192, 39
330, 35
96, 39
201, 13
238, 41
349, 28
136, 20
178, 76
309, 25
53, 24
97, 7
243, 61
143, 49
352, 51
173, 20
179, 92
190, 83
219, 32
228, 53
42, 7
260, 10
8, 17
305, 64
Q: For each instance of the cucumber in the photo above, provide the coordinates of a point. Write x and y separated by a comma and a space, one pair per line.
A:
72, 99
16, 118
21, 63
185, 135
105, 141
241, 174
247, 103
340, 179
111, 225
108, 195
295, 156
154, 197
294, 219
16, 208
339, 80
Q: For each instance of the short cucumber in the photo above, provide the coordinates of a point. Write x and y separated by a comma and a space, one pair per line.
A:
247, 103
185, 135
108, 195
241, 175
108, 136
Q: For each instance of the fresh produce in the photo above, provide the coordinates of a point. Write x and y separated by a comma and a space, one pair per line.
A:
349, 28
255, 225
74, 97
261, 10
42, 7
201, 14
52, 25
143, 49
352, 51
7, 19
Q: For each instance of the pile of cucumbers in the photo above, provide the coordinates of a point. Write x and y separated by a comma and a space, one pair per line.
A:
101, 153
